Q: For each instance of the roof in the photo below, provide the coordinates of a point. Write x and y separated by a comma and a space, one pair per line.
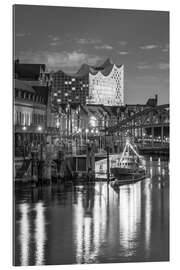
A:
42, 91
38, 90
151, 102
28, 71
18, 84
85, 69
106, 64
104, 68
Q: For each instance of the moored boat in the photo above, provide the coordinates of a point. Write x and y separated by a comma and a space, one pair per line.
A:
129, 168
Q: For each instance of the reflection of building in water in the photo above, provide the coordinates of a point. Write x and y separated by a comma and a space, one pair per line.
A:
114, 221
129, 216
148, 213
89, 224
40, 235
24, 234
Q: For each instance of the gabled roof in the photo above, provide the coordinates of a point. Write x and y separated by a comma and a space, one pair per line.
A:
35, 89
21, 85
28, 71
151, 102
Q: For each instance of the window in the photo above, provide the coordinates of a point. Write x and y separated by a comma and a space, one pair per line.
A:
20, 118
17, 118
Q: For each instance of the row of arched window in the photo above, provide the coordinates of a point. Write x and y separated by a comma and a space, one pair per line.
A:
28, 96
27, 119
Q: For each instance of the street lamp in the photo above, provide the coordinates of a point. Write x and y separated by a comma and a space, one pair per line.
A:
87, 130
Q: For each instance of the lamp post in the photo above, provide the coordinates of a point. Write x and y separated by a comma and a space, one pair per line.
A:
107, 147
87, 130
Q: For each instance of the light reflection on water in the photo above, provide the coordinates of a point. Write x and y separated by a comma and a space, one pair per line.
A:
40, 234
94, 224
24, 234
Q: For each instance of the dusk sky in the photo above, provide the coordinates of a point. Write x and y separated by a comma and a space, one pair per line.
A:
65, 38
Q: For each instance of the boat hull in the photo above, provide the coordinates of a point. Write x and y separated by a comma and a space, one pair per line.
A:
125, 173
119, 182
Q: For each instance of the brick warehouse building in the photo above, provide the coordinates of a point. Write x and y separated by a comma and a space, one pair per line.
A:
103, 84
32, 115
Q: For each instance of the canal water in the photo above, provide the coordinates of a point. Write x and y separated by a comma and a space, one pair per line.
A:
94, 223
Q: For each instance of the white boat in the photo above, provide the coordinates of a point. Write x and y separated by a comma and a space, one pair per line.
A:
129, 168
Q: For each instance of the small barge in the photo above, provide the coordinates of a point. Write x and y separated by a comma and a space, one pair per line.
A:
129, 168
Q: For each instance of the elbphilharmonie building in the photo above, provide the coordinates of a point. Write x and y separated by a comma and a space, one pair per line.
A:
103, 84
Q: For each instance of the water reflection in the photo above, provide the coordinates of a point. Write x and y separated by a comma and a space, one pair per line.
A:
148, 209
40, 234
24, 234
129, 216
114, 221
32, 238
93, 224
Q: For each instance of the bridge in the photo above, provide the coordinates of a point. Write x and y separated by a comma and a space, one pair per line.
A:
149, 129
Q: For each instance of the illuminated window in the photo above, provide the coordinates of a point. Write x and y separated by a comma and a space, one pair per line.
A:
93, 121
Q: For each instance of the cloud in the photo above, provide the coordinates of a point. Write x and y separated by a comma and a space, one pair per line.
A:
123, 53
149, 47
87, 41
55, 38
159, 66
52, 44
122, 43
165, 48
23, 34
163, 66
144, 66
103, 47
59, 60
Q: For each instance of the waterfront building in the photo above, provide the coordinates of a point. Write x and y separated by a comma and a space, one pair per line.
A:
32, 106
30, 115
103, 84
106, 84
33, 74
70, 88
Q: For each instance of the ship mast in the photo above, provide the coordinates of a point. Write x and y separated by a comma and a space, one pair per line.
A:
127, 147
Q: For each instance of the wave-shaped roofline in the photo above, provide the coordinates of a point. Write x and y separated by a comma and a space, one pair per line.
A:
105, 69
